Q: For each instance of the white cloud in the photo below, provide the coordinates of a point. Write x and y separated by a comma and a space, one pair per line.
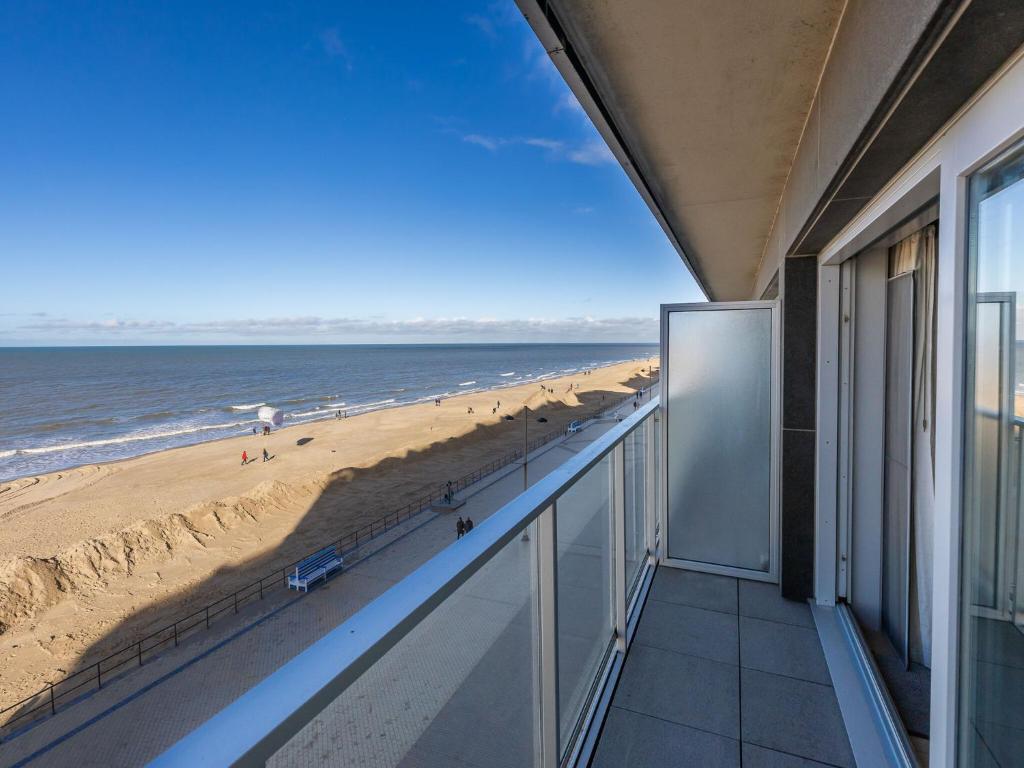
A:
590, 152
334, 47
327, 328
593, 152
568, 102
483, 141
550, 144
482, 23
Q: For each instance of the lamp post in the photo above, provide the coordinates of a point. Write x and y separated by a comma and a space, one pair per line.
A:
526, 444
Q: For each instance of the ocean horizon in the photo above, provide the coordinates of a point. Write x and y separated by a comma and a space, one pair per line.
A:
68, 406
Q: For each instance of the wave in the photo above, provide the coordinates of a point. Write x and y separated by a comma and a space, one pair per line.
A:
138, 437
306, 413
373, 404
250, 407
510, 373
7, 454
328, 410
466, 383
75, 423
158, 416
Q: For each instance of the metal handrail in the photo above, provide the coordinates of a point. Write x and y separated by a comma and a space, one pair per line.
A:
253, 727
49, 697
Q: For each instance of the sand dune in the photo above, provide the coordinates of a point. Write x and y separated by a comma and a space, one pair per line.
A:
93, 557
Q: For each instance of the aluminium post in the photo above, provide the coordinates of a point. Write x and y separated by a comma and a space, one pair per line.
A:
616, 480
547, 568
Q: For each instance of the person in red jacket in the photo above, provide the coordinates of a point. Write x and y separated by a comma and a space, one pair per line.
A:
245, 458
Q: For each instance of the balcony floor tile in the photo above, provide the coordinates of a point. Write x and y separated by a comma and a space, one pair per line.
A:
794, 716
682, 689
784, 649
772, 700
763, 601
759, 757
631, 739
694, 631
700, 590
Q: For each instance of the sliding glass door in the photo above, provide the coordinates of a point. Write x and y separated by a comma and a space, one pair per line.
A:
991, 679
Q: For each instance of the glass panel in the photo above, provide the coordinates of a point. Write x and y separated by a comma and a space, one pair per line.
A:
991, 708
899, 376
460, 689
988, 397
719, 395
658, 479
635, 454
585, 617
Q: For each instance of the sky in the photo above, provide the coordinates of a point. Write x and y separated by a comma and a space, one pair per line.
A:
268, 172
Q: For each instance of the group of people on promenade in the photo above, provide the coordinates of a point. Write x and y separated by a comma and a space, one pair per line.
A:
638, 398
462, 527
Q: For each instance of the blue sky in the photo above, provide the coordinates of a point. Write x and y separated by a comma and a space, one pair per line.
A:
309, 172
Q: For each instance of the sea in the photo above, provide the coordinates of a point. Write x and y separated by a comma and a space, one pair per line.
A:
70, 406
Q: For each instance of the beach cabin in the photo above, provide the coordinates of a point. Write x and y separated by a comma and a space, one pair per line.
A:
808, 549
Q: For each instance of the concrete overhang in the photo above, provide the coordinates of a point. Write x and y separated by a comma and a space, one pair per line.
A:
756, 130
704, 103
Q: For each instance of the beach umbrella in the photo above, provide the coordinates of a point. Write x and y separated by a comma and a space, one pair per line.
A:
269, 415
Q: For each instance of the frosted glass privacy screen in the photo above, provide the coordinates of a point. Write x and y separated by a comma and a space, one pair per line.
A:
719, 435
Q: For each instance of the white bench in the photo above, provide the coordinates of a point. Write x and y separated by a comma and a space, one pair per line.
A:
316, 566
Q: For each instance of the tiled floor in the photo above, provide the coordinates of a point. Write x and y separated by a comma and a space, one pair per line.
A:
997, 695
723, 672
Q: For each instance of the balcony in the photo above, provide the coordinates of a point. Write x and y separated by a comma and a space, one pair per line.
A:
549, 636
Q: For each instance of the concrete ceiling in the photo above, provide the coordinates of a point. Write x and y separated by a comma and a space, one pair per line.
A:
709, 99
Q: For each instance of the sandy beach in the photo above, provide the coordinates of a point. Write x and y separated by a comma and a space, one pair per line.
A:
94, 557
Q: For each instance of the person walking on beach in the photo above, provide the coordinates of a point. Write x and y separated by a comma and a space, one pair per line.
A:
469, 524
460, 529
266, 456
245, 458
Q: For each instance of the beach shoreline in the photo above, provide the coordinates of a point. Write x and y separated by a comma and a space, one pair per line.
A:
119, 403
92, 557
382, 406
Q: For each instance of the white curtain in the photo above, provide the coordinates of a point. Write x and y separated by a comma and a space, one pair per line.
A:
917, 253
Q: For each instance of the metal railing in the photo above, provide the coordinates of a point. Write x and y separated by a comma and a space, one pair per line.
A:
257, 725
65, 691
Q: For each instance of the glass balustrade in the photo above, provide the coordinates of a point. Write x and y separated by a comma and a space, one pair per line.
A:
493, 652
